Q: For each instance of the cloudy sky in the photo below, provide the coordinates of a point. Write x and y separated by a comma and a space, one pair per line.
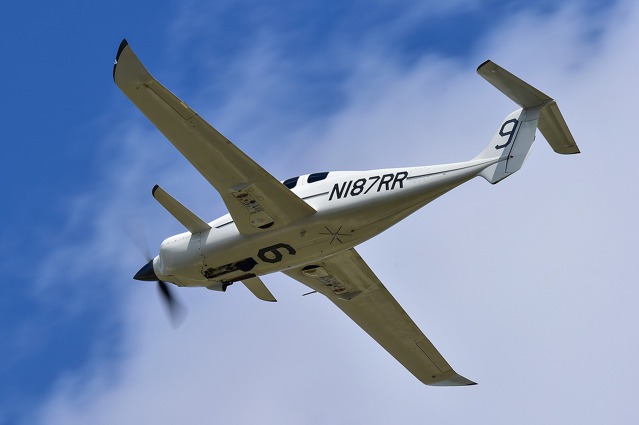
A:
528, 287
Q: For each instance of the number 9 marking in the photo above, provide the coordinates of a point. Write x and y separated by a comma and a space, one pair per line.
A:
510, 133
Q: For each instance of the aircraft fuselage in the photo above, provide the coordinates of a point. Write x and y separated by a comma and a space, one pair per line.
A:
352, 207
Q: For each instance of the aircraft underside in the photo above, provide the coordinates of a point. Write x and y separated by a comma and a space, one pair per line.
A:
308, 226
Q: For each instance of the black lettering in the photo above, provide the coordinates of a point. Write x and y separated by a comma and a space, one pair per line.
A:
386, 179
510, 133
337, 191
358, 187
348, 188
399, 179
375, 179
275, 255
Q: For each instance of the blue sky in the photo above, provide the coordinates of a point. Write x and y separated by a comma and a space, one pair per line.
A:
539, 310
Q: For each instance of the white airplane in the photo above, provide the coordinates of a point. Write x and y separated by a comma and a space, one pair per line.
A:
308, 226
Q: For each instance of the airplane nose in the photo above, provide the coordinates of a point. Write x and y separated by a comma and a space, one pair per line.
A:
146, 273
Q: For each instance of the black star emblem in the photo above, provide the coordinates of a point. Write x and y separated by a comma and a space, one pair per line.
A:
335, 236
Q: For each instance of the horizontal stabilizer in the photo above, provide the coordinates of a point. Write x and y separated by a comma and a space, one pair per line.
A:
551, 122
519, 91
555, 130
192, 222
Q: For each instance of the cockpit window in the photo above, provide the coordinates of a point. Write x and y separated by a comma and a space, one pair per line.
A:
315, 177
291, 183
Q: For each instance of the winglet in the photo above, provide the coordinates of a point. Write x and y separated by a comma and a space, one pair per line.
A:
182, 214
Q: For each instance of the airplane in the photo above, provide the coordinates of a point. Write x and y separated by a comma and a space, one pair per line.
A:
308, 226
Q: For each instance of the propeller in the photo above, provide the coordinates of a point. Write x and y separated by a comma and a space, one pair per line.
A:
175, 309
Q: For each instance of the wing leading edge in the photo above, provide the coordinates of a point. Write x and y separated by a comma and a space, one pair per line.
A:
353, 287
254, 198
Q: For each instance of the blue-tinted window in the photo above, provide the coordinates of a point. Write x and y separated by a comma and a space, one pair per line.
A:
291, 183
315, 177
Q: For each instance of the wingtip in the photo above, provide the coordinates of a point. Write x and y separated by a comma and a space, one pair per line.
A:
483, 64
454, 380
123, 45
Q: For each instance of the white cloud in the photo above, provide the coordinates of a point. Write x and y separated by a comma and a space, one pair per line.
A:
526, 286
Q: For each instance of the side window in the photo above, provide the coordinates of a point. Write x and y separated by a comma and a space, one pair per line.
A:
291, 183
315, 177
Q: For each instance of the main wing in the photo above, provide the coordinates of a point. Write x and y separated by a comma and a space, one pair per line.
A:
353, 287
254, 198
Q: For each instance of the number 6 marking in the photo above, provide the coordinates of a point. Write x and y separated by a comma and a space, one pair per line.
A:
274, 255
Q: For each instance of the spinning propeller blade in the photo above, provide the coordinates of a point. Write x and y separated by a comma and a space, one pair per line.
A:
175, 309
